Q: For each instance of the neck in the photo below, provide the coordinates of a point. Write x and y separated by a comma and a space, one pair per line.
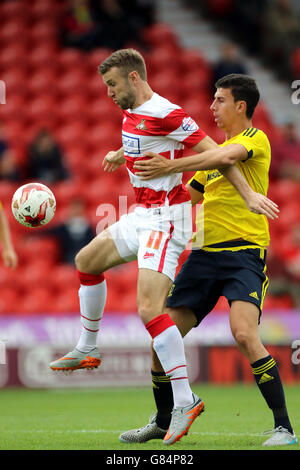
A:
237, 127
144, 93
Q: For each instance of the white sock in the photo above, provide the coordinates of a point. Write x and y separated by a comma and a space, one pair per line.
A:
92, 302
169, 348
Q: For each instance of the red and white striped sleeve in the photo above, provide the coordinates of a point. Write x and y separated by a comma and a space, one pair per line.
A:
179, 126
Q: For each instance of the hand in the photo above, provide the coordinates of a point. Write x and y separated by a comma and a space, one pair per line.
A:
260, 204
113, 160
154, 167
10, 258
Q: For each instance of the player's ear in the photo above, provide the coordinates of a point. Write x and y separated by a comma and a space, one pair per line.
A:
241, 107
133, 77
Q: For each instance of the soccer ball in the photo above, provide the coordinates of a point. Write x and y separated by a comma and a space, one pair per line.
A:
33, 205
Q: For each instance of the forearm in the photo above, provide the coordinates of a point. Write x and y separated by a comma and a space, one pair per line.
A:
236, 178
208, 160
5, 237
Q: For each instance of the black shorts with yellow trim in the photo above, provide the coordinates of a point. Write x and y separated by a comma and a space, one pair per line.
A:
208, 275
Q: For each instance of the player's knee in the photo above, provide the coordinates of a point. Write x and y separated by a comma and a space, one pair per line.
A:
145, 312
82, 261
243, 338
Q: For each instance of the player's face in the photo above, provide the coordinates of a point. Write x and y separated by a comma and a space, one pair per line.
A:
224, 108
119, 88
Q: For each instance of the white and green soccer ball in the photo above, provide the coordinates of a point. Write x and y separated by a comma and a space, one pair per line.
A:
33, 205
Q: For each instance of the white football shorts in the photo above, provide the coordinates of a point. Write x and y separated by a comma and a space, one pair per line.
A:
155, 237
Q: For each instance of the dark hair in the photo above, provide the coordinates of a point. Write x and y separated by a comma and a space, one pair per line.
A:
128, 60
243, 88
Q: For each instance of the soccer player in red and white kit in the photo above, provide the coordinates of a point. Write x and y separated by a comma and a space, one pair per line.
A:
155, 234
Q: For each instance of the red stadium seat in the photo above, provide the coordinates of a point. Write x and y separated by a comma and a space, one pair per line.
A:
71, 83
12, 30
43, 81
95, 58
159, 57
41, 247
13, 55
11, 11
69, 60
76, 159
286, 191
42, 55
45, 10
64, 276
198, 84
15, 79
65, 192
159, 34
9, 300
104, 135
73, 108
43, 32
71, 134
36, 300
41, 110
12, 109
192, 61
66, 301
198, 109
167, 85
7, 189
95, 88
36, 273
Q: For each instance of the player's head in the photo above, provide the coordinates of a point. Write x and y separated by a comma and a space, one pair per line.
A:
236, 97
122, 72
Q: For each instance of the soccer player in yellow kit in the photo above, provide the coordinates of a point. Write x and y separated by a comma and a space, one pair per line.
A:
229, 252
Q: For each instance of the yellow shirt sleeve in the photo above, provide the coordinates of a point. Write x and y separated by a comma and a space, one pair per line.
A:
198, 181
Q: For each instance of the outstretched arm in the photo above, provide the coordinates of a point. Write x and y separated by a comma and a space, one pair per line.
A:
223, 158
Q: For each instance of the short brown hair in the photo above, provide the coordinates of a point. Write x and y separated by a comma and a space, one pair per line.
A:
243, 88
128, 60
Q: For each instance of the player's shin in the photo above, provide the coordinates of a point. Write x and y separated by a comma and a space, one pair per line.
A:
268, 380
169, 347
92, 298
163, 396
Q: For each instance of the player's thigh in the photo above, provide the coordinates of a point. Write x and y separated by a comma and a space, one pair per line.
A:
98, 255
152, 291
183, 317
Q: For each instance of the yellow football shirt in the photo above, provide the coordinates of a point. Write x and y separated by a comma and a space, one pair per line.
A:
224, 221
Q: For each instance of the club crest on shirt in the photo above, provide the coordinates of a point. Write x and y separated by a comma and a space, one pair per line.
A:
189, 125
141, 126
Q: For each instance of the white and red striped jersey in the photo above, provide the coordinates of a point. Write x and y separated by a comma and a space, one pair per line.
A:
162, 127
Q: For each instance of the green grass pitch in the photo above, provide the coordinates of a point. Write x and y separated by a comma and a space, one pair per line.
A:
92, 419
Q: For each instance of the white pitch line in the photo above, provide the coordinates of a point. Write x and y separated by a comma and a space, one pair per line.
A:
102, 431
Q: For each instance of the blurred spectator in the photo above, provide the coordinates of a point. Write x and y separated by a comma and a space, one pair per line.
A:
45, 160
285, 161
281, 34
229, 62
77, 26
121, 21
8, 167
74, 233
